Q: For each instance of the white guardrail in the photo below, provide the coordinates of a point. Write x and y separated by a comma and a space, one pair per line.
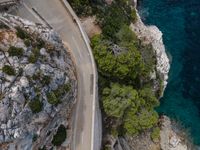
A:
87, 41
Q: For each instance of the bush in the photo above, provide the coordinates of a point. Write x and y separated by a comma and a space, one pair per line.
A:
8, 70
40, 43
46, 80
133, 15
36, 105
52, 99
81, 7
155, 135
61, 90
15, 51
22, 33
3, 26
60, 136
35, 136
67, 87
117, 99
37, 76
27, 42
127, 65
36, 52
32, 59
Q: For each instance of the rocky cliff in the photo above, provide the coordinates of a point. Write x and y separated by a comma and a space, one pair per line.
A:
152, 35
37, 84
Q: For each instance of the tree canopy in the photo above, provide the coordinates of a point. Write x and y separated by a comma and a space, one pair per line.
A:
134, 108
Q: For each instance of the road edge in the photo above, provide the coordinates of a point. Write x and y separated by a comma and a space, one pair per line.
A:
95, 144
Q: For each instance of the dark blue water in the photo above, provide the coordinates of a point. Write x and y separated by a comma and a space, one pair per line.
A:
179, 20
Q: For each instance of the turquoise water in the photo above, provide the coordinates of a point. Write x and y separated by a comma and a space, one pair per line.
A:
179, 20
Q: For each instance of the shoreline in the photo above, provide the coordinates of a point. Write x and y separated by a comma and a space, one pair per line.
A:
169, 138
152, 35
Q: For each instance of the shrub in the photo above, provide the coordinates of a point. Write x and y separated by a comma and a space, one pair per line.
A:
27, 42
60, 136
32, 59
133, 15
52, 99
40, 43
36, 105
155, 135
15, 51
35, 136
37, 76
22, 33
46, 80
8, 70
61, 90
67, 87
3, 26
36, 52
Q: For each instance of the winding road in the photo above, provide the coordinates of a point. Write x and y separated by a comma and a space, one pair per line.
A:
86, 117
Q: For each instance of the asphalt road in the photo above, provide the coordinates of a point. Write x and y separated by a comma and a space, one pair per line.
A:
57, 17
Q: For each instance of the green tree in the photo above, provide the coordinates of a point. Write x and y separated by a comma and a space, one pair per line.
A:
36, 105
135, 122
125, 36
126, 65
21, 33
150, 99
60, 136
118, 98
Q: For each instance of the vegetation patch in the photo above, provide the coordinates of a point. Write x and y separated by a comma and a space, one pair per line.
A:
124, 65
134, 108
60, 136
40, 43
36, 105
155, 135
27, 42
9, 70
62, 90
52, 99
21, 33
15, 51
3, 26
32, 59
46, 80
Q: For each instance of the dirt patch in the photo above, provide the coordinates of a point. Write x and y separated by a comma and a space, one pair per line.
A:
142, 142
90, 26
7, 38
7, 35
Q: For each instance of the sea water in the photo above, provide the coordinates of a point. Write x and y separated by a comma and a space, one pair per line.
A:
179, 21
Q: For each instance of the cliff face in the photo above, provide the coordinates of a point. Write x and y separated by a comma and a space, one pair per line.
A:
152, 35
37, 90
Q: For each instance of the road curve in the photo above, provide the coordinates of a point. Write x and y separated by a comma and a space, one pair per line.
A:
86, 122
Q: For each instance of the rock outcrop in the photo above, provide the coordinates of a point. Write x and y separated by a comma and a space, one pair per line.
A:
169, 140
38, 93
152, 35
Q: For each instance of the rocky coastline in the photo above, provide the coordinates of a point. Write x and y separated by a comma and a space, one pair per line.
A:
169, 139
152, 35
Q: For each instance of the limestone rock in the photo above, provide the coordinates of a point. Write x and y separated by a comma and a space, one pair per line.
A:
32, 81
169, 140
151, 34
